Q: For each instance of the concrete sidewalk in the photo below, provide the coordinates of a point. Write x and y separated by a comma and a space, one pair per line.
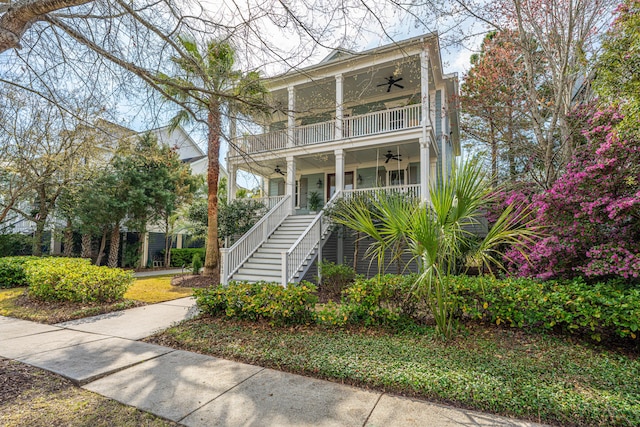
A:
102, 354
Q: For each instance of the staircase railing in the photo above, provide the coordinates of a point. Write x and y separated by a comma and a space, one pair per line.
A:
294, 258
233, 257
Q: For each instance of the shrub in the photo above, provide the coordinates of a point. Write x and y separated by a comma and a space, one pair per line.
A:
388, 300
574, 306
15, 244
184, 256
276, 304
335, 278
75, 280
196, 264
12, 273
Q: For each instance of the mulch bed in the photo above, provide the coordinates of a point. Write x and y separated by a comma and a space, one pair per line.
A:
193, 281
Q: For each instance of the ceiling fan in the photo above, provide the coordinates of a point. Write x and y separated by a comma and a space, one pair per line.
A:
278, 170
391, 156
391, 81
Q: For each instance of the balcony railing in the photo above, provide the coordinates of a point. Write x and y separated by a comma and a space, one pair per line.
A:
412, 190
391, 120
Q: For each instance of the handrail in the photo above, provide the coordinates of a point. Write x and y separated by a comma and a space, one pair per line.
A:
233, 257
412, 190
297, 254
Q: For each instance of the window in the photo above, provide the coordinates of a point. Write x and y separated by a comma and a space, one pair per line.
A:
396, 177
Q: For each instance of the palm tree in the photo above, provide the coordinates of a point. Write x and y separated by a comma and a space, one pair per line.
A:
209, 81
437, 235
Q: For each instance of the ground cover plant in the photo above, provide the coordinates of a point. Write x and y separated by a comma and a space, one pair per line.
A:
51, 400
505, 371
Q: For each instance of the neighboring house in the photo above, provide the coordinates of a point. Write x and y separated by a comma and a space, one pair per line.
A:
107, 136
380, 120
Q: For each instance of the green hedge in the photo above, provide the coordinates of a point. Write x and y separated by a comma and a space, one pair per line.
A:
15, 244
75, 280
184, 256
276, 304
601, 308
388, 300
12, 274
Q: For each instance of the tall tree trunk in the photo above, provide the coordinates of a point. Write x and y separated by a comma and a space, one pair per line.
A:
85, 251
494, 154
211, 261
167, 242
114, 247
143, 234
103, 244
37, 238
511, 158
68, 238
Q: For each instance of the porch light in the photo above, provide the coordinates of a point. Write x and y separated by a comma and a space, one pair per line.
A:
319, 183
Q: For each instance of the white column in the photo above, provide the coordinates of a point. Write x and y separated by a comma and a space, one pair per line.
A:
339, 170
339, 108
425, 163
443, 153
291, 117
179, 241
424, 91
145, 250
231, 187
291, 182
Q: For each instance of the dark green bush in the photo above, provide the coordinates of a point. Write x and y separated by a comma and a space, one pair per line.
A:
276, 304
75, 280
15, 244
196, 264
335, 278
12, 273
184, 256
602, 308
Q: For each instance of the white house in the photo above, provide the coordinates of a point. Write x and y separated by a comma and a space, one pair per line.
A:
379, 120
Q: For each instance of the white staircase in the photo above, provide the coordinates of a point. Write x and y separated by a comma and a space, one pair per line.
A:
266, 262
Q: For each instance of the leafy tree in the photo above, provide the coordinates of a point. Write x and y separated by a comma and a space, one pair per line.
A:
494, 105
437, 235
211, 82
618, 68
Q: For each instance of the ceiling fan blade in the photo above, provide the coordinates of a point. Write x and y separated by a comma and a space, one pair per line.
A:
397, 80
400, 86
387, 161
389, 88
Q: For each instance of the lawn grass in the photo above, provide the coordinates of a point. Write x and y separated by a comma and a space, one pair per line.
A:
151, 290
536, 377
14, 303
32, 397
156, 289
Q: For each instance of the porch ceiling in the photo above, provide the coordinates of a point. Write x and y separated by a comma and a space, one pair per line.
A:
410, 153
359, 87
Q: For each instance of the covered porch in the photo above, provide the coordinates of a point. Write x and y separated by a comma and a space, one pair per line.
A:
311, 179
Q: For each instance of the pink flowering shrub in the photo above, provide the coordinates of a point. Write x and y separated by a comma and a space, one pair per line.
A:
591, 215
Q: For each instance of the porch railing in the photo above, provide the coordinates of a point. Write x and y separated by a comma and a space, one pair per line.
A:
294, 258
393, 119
382, 121
315, 133
264, 142
412, 190
236, 255
270, 201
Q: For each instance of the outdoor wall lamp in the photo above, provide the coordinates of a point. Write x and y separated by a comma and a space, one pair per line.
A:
319, 183
359, 179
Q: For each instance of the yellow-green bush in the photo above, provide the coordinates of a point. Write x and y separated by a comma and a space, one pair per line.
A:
76, 280
260, 301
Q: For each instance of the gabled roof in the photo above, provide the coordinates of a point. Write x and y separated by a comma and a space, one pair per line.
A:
335, 54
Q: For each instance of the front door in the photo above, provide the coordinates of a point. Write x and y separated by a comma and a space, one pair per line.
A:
331, 183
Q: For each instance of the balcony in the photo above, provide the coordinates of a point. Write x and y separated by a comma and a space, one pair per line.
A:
378, 122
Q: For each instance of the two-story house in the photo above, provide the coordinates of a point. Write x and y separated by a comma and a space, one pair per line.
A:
380, 120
